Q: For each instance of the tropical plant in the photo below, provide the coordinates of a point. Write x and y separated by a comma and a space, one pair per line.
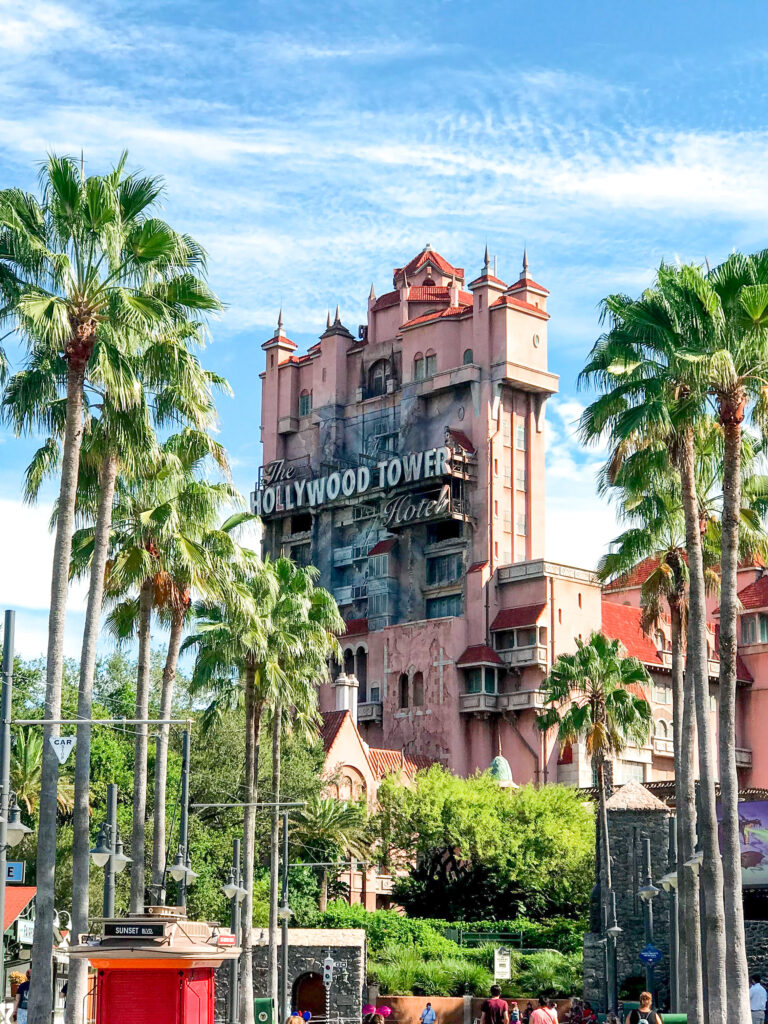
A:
596, 695
87, 253
326, 829
646, 368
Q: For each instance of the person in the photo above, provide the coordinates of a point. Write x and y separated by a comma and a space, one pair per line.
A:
542, 1015
514, 1013
19, 1012
758, 998
428, 1015
590, 1017
552, 1007
645, 1013
495, 1009
527, 1012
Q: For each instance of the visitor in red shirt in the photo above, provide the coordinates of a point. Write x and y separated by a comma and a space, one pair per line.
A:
495, 1010
542, 1014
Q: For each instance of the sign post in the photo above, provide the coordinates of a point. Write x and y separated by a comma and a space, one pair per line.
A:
502, 964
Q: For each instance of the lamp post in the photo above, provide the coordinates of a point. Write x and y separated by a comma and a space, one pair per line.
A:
284, 914
613, 932
181, 871
648, 893
108, 851
669, 885
235, 894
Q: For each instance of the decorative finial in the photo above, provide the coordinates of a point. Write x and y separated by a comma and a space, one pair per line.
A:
487, 262
372, 293
427, 247
337, 319
328, 321
405, 280
498, 741
280, 332
525, 262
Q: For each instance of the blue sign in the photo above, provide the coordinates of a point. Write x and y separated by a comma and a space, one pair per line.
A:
650, 955
14, 871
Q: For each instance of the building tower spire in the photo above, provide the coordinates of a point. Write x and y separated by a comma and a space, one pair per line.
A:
280, 332
525, 262
337, 319
328, 320
486, 262
371, 293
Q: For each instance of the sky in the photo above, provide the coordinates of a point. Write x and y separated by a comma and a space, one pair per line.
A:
313, 147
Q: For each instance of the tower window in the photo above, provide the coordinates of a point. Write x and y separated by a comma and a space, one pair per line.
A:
522, 524
418, 366
378, 378
403, 690
520, 478
522, 440
430, 364
469, 357
305, 403
418, 690
361, 671
349, 662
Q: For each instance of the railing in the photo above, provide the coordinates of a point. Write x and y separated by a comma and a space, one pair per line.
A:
369, 711
542, 567
521, 656
477, 703
743, 757
342, 556
664, 747
519, 700
346, 595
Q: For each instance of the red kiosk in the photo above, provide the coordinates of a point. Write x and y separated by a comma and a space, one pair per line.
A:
157, 968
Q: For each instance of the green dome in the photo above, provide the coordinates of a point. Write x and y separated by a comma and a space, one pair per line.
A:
500, 769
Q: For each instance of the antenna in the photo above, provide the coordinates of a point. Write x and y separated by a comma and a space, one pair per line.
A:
82, 166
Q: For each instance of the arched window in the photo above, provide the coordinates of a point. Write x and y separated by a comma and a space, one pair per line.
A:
334, 668
403, 690
361, 671
418, 690
377, 378
469, 357
349, 662
418, 366
660, 641
430, 363
305, 403
661, 729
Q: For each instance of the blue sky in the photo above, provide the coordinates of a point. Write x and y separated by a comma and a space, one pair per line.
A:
312, 147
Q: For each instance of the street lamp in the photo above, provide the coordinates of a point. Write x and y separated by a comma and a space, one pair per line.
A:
648, 893
236, 894
108, 851
15, 829
613, 931
119, 861
695, 862
180, 869
102, 851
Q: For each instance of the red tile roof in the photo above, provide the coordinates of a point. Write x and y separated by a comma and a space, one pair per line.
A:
528, 282
386, 300
742, 672
282, 341
381, 548
429, 293
450, 311
477, 566
329, 730
430, 256
486, 278
354, 626
622, 622
527, 307
461, 438
755, 595
17, 897
508, 618
388, 762
481, 654
635, 577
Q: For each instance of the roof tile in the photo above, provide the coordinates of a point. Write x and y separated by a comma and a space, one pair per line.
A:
508, 618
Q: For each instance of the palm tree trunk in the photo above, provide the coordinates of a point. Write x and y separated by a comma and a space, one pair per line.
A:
712, 868
253, 712
39, 1011
161, 764
323, 902
605, 844
736, 971
140, 750
77, 983
689, 979
274, 859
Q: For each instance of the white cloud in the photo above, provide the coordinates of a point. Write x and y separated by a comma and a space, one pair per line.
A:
27, 28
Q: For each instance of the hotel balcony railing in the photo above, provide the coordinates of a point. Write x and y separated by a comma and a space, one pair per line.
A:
519, 657
519, 700
346, 595
664, 747
743, 757
369, 711
477, 703
342, 556
539, 567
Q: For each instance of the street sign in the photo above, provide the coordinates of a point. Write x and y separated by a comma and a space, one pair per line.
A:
14, 871
133, 931
650, 955
25, 931
502, 964
63, 745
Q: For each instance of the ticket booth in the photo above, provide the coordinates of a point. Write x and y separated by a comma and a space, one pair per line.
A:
157, 968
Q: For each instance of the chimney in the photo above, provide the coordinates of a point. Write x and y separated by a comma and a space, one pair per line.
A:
346, 694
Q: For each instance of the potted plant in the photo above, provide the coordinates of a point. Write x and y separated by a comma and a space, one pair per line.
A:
16, 978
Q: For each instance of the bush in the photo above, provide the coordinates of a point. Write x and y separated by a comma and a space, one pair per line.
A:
562, 933
550, 972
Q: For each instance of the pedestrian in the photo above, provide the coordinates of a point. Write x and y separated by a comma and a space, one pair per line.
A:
758, 998
590, 1017
514, 1013
542, 1015
428, 1015
552, 1007
645, 1013
527, 1012
495, 1009
19, 1012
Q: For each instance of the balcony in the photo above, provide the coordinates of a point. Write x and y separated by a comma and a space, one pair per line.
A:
523, 657
369, 711
743, 757
662, 747
540, 567
447, 379
520, 700
348, 595
342, 556
477, 703
287, 425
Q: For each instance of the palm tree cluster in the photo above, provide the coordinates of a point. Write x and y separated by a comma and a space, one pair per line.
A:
111, 305
678, 372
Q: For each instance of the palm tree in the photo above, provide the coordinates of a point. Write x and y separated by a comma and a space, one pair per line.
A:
157, 522
325, 829
594, 694
647, 368
88, 253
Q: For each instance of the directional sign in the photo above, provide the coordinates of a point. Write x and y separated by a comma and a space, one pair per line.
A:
25, 931
63, 745
14, 871
133, 931
502, 964
650, 955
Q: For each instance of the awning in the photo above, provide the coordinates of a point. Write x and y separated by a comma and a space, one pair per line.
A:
17, 897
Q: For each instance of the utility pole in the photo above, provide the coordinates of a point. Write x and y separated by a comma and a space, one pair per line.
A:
5, 774
285, 915
674, 936
181, 871
233, 996
109, 867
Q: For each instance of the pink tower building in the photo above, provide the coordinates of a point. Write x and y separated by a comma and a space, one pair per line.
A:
407, 463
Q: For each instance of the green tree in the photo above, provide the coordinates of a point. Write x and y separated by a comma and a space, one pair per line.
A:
325, 830
596, 695
85, 254
26, 772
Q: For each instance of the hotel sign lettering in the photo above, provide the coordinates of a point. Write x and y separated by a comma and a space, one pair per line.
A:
282, 492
